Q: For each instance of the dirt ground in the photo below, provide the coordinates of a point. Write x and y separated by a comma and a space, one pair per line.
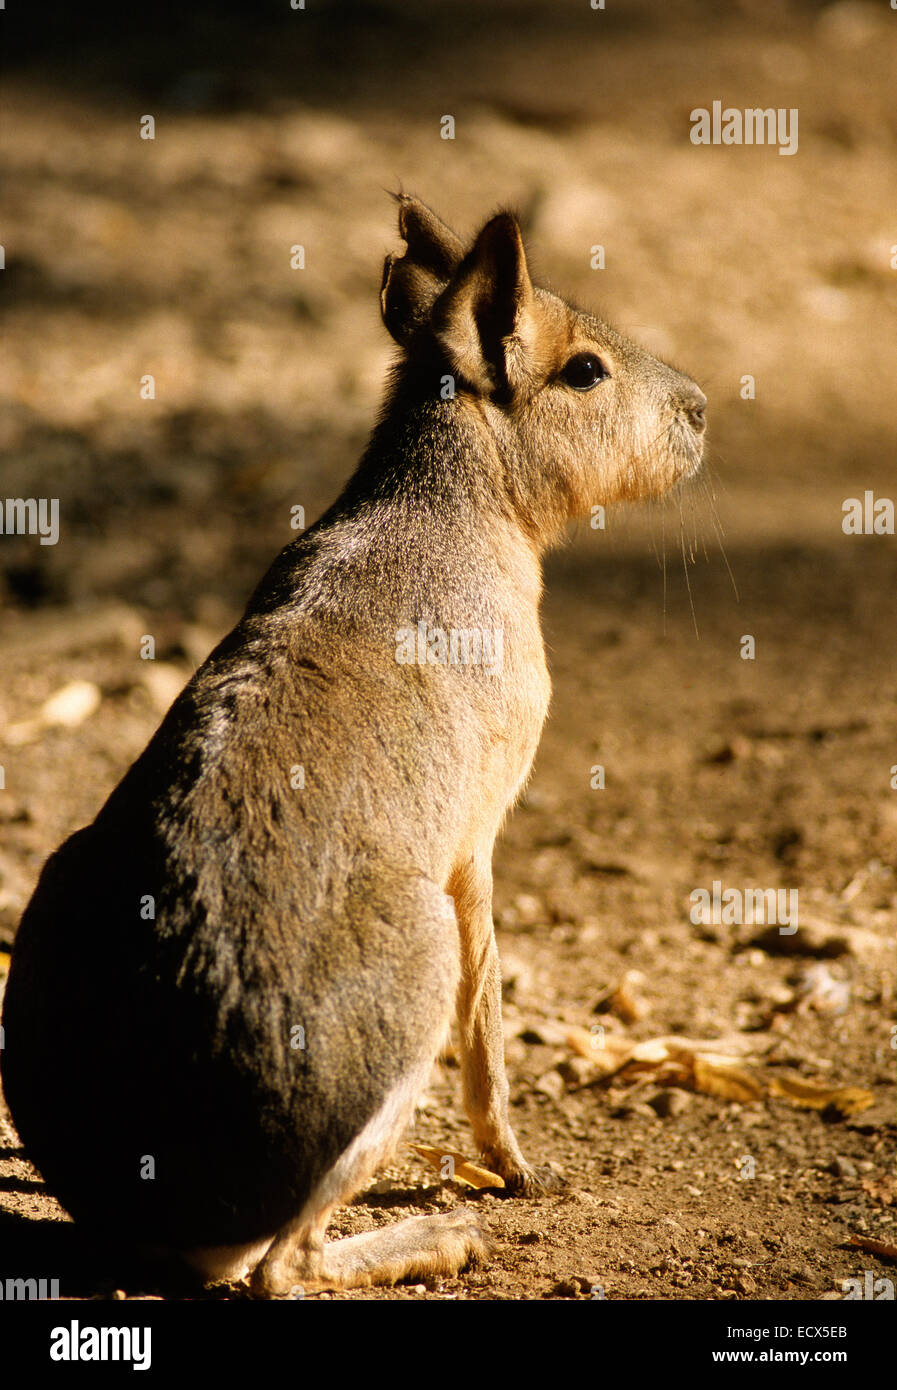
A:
171, 257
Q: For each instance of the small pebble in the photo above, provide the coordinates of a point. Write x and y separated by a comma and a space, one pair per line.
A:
551, 1084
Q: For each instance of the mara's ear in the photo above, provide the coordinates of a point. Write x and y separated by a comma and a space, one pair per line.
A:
413, 282
484, 319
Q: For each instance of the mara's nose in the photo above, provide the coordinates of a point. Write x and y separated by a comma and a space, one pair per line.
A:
694, 406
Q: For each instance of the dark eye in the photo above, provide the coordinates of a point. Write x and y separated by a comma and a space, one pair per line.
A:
584, 371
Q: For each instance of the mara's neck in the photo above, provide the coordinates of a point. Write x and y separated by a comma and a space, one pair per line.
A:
445, 456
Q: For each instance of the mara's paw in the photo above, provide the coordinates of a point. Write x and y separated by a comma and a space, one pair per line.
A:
525, 1181
419, 1248
269, 1280
464, 1230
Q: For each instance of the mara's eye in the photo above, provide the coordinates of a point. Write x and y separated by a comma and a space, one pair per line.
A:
584, 371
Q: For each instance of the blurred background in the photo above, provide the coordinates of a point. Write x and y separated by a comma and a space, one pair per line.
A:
172, 257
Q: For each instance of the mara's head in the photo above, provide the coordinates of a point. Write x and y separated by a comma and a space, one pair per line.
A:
580, 414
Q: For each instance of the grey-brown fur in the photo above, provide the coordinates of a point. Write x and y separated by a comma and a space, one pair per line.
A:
359, 907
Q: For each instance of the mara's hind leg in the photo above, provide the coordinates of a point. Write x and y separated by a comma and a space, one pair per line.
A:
421, 994
420, 1247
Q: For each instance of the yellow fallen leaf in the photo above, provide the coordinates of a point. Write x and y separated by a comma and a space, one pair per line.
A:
653, 1051
671, 1055
461, 1169
810, 1095
607, 1050
680, 1061
717, 1076
733, 1045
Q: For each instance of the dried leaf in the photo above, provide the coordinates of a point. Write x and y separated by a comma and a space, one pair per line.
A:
885, 1248
733, 1045
607, 1050
655, 1050
462, 1170
718, 1076
626, 999
879, 1189
706, 1066
670, 1058
810, 1095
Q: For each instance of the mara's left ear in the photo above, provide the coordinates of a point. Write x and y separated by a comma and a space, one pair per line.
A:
413, 282
484, 318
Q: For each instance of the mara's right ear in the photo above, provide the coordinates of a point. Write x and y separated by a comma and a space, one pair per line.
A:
484, 321
413, 282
